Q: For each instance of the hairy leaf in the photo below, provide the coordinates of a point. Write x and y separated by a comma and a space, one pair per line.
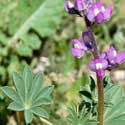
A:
30, 89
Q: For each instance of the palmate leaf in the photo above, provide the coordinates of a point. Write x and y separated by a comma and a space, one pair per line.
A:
30, 94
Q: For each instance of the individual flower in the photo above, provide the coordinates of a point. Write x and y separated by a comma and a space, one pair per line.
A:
98, 13
115, 58
69, 7
86, 39
79, 5
99, 66
79, 48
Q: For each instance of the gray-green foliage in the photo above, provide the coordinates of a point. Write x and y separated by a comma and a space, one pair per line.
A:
115, 109
29, 95
114, 105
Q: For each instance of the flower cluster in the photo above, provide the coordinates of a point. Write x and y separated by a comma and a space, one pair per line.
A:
95, 12
108, 60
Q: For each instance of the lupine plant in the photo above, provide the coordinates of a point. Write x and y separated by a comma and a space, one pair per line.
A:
104, 103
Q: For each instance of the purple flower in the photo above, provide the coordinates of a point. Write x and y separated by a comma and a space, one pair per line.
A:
99, 66
115, 58
79, 48
86, 39
79, 5
69, 7
98, 14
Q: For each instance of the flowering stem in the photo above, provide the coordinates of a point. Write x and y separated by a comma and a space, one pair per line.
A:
99, 80
100, 100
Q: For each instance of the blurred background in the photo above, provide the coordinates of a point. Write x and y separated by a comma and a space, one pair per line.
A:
38, 33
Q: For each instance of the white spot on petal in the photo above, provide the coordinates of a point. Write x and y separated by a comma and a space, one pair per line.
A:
70, 4
98, 66
77, 46
114, 53
96, 12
